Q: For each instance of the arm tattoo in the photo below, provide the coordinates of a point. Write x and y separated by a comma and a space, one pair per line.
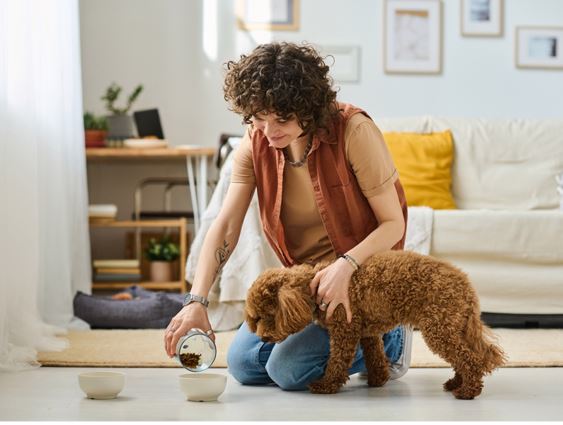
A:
222, 255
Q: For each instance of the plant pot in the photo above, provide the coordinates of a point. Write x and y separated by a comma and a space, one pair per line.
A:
161, 271
120, 127
95, 138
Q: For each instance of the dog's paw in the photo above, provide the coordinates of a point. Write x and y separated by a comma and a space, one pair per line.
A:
323, 387
378, 380
464, 393
452, 384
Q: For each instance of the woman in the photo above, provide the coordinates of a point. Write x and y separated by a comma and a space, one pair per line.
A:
327, 190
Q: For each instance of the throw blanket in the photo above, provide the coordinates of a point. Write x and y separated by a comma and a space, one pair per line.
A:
419, 230
253, 254
251, 257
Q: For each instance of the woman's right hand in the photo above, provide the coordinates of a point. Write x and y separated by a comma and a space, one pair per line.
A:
194, 315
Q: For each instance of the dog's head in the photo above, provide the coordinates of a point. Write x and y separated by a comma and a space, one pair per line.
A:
279, 303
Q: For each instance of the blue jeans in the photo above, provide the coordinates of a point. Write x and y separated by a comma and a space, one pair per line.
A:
295, 362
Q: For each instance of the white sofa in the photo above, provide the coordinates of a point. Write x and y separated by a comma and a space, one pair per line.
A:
507, 232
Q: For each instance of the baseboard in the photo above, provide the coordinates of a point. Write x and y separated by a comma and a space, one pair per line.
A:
505, 320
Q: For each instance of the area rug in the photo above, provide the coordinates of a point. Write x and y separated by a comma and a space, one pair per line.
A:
144, 348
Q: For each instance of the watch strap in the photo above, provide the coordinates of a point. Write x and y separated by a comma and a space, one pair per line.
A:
190, 298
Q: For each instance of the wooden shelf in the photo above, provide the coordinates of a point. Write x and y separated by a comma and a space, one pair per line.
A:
140, 223
180, 223
162, 153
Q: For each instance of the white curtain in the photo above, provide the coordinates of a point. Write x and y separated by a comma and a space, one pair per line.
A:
44, 242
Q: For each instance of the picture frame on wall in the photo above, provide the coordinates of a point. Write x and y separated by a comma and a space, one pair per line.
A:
344, 62
412, 37
539, 47
482, 18
269, 15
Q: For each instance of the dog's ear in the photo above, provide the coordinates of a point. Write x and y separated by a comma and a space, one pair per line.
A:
250, 316
294, 311
262, 296
270, 281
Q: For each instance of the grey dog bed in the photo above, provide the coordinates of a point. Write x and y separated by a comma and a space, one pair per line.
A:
145, 311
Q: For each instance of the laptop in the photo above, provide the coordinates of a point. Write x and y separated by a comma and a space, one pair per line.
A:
148, 123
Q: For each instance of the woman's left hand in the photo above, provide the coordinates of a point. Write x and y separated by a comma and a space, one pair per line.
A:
331, 287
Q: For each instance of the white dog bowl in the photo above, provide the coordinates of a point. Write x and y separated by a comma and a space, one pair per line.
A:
203, 386
101, 385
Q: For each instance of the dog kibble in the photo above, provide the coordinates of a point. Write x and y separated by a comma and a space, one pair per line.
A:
190, 360
196, 351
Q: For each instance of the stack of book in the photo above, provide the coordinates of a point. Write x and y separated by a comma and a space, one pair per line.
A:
117, 270
102, 213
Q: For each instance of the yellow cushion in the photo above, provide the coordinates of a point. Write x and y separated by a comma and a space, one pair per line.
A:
424, 163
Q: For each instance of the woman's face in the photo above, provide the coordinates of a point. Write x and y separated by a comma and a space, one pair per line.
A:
280, 132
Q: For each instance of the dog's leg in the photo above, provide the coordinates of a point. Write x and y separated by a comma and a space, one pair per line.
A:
344, 339
469, 368
453, 383
375, 360
446, 338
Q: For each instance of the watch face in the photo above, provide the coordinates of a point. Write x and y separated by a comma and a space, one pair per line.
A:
194, 298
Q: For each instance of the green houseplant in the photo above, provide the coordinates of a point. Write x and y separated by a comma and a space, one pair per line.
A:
95, 130
161, 253
120, 123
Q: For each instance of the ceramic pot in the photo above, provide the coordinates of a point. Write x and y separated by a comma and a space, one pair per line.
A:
161, 271
120, 127
95, 138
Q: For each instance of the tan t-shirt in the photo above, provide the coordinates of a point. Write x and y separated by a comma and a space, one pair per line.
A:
306, 237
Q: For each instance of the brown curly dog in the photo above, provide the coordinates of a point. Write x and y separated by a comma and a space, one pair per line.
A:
391, 288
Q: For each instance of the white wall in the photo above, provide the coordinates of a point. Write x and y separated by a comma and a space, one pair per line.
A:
177, 49
161, 44
149, 42
478, 76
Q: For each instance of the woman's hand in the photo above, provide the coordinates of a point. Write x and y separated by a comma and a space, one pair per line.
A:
331, 287
194, 315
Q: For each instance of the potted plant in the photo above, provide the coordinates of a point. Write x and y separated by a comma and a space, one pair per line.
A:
161, 253
120, 123
95, 130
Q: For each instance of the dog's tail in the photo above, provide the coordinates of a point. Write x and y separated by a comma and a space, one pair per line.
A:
484, 342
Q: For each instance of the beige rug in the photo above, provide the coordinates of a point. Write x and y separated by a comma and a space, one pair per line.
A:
144, 348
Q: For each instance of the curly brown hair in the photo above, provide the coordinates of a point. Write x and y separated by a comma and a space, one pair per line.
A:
284, 78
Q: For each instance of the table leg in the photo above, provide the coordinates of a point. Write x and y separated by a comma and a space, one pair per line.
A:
193, 192
202, 184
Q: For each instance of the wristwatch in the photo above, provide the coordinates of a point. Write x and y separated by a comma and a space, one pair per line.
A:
191, 298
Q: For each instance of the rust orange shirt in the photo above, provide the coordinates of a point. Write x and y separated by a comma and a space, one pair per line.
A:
361, 167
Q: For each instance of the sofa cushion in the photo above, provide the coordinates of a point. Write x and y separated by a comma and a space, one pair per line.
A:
513, 287
513, 258
505, 164
424, 163
524, 236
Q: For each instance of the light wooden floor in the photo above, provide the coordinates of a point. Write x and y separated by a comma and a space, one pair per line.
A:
514, 394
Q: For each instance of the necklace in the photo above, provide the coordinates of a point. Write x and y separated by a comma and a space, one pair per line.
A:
303, 158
